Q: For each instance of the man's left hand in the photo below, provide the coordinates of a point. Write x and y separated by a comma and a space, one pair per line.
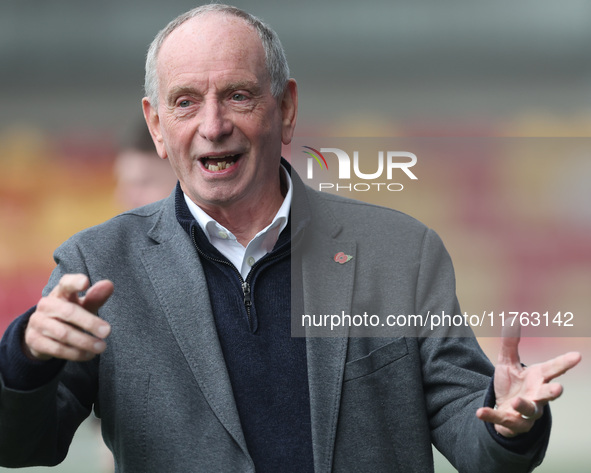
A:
522, 392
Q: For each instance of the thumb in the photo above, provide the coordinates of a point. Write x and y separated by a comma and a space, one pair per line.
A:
510, 337
97, 295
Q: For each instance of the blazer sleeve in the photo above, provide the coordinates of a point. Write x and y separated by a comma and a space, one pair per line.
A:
37, 425
457, 378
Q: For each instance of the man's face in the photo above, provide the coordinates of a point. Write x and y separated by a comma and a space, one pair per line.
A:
216, 119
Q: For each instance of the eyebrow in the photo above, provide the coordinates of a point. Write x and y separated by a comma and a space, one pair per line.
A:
245, 84
178, 91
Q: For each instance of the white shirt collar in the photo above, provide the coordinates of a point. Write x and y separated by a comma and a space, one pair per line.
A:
262, 243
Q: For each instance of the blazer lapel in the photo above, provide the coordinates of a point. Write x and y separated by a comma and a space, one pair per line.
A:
180, 285
328, 288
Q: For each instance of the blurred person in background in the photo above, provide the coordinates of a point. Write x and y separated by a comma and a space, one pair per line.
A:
197, 369
142, 177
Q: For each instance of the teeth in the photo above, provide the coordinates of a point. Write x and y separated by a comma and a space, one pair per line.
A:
221, 165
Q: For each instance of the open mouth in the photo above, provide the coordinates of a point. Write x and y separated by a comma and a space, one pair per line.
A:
219, 163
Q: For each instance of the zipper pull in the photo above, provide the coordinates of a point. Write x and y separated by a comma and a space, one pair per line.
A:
246, 292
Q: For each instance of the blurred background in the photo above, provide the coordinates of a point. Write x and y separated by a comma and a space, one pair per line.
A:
517, 223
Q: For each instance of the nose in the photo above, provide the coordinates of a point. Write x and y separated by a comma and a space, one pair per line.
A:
214, 125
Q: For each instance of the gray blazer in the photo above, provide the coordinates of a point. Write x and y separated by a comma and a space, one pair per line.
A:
162, 390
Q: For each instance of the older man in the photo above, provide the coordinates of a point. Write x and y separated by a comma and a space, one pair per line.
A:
199, 371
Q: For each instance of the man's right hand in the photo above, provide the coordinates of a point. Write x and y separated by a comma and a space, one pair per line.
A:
65, 325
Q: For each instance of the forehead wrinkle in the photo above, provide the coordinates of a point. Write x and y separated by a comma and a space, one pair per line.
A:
218, 40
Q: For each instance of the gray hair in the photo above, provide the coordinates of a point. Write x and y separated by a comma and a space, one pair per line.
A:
275, 59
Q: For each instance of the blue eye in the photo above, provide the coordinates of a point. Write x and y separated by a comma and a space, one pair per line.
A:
184, 103
238, 97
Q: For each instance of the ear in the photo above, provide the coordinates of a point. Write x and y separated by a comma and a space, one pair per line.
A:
289, 111
153, 122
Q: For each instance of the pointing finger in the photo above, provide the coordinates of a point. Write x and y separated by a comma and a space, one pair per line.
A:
97, 295
69, 286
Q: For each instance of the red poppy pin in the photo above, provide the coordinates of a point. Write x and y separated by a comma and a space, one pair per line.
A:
342, 258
